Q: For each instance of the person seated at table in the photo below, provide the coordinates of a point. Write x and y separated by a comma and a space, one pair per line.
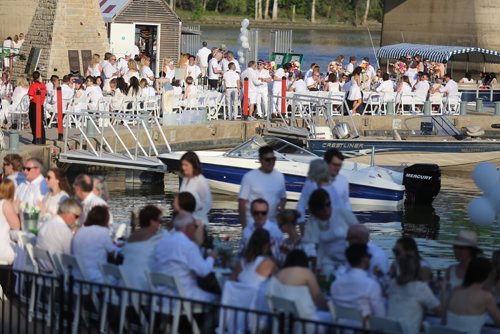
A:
405, 247
332, 84
13, 168
411, 73
134, 88
314, 81
178, 255
138, 252
295, 281
387, 86
467, 79
11, 103
344, 78
408, 297
299, 85
177, 87
377, 78
118, 89
257, 264
146, 89
469, 304
287, 222
9, 220
404, 87
92, 243
355, 289
190, 89
465, 249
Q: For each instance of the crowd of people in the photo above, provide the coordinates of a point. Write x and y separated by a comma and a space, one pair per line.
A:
312, 254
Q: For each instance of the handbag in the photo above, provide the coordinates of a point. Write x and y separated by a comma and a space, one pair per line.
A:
209, 283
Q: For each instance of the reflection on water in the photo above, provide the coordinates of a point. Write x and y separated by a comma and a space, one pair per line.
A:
327, 45
433, 228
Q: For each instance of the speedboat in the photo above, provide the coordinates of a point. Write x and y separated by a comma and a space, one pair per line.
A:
369, 185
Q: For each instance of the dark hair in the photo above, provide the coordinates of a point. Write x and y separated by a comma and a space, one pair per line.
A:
478, 271
121, 84
351, 58
468, 75
85, 182
357, 71
259, 200
263, 150
36, 76
287, 66
163, 74
147, 214
90, 78
61, 177
204, 43
194, 160
15, 160
409, 246
134, 86
296, 258
333, 152
189, 80
355, 254
187, 202
255, 247
317, 201
448, 75
98, 215
406, 79
409, 269
332, 77
385, 76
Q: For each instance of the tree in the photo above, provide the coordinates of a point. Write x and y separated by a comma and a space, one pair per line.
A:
266, 10
275, 10
367, 9
313, 11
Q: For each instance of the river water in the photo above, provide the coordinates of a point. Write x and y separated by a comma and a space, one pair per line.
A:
318, 46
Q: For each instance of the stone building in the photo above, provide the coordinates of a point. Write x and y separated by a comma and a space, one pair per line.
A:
16, 16
61, 35
443, 22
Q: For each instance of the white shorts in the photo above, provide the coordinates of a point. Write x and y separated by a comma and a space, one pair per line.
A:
252, 97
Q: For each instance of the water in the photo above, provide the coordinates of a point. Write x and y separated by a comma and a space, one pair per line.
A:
433, 230
327, 45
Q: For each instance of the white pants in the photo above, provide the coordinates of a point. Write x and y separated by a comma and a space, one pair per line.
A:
232, 102
262, 100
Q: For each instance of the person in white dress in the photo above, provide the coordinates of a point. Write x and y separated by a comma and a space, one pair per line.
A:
146, 72
138, 252
256, 264
169, 69
92, 243
118, 88
408, 297
146, 90
59, 191
468, 306
465, 249
195, 183
132, 71
332, 84
467, 79
9, 220
11, 102
403, 88
355, 90
93, 92
95, 67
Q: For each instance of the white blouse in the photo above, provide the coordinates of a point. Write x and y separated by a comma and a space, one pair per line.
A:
198, 186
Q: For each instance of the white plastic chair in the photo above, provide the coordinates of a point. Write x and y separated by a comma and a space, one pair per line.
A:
337, 103
453, 104
372, 100
346, 315
407, 105
20, 113
436, 100
235, 294
386, 325
283, 305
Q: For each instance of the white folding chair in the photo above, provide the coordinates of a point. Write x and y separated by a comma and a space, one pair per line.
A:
442, 330
20, 113
337, 103
346, 315
235, 294
453, 104
373, 101
407, 104
282, 305
164, 285
388, 326
436, 100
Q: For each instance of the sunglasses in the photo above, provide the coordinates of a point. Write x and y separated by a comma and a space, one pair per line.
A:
269, 159
259, 213
29, 168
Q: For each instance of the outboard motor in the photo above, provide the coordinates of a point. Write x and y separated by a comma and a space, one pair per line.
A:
422, 183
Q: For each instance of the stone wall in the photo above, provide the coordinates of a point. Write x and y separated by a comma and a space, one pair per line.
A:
61, 25
16, 16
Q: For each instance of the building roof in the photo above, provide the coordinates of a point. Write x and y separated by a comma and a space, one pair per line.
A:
440, 53
111, 8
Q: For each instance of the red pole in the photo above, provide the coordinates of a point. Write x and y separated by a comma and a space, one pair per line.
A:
59, 114
283, 95
38, 102
245, 97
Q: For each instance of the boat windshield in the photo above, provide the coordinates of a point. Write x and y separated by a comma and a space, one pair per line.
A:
283, 150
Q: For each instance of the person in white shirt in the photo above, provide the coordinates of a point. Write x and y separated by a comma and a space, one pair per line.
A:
379, 264
355, 289
34, 188
338, 190
214, 70
84, 186
122, 64
202, 58
421, 88
262, 90
467, 79
67, 91
387, 86
146, 71
253, 83
13, 168
277, 87
351, 66
411, 73
313, 81
450, 89
299, 85
230, 59
192, 70
93, 92
266, 183
370, 71
309, 72
7, 45
109, 70
232, 88
177, 255
259, 210
10, 103
95, 68
55, 234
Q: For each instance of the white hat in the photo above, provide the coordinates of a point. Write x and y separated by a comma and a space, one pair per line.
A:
466, 239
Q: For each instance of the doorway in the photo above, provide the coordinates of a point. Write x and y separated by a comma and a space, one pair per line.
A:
146, 39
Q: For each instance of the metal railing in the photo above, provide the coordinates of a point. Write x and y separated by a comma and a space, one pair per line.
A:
44, 303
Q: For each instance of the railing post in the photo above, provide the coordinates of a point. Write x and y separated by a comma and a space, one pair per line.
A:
479, 105
38, 102
497, 108
463, 108
245, 98
283, 95
59, 114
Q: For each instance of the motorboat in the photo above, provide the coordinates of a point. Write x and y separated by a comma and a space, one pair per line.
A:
369, 185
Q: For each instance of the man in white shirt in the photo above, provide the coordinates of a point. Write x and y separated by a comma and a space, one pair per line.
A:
370, 71
313, 81
232, 86
230, 59
214, 70
253, 82
338, 190
34, 188
202, 58
55, 234
355, 289
451, 87
179, 256
122, 64
192, 70
422, 87
109, 71
379, 264
299, 85
277, 86
262, 90
352, 64
387, 86
84, 187
266, 183
259, 210
67, 91
309, 72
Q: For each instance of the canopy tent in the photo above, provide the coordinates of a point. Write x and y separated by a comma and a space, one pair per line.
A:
440, 53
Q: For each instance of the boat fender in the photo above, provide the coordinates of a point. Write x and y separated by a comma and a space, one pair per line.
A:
474, 131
